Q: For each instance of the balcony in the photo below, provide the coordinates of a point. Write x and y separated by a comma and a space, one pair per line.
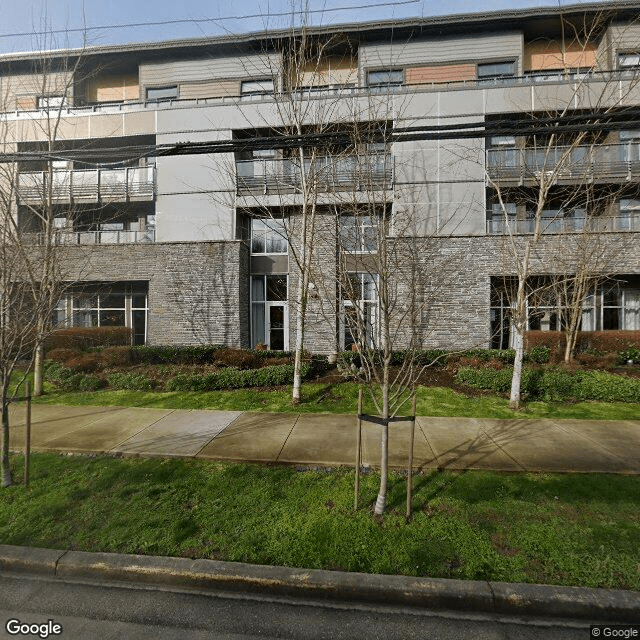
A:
128, 184
568, 224
594, 163
324, 174
95, 237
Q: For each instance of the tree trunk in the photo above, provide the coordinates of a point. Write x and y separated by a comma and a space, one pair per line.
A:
4, 455
384, 444
38, 366
516, 380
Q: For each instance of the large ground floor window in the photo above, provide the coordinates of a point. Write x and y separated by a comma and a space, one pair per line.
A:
269, 312
610, 306
117, 304
359, 311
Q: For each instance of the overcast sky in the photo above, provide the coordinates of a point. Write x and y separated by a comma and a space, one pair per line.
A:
27, 17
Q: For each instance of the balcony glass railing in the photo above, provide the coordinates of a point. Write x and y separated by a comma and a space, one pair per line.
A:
94, 237
119, 185
325, 173
580, 162
595, 224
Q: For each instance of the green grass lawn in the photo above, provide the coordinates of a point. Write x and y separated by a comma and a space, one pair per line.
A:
342, 398
545, 528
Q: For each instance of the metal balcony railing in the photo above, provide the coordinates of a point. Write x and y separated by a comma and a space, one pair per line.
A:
324, 173
115, 185
94, 237
595, 224
588, 163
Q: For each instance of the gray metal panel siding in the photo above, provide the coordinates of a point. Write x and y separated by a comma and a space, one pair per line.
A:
167, 73
493, 46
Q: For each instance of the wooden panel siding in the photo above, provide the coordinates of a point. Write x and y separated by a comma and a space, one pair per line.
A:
333, 70
20, 87
211, 89
466, 49
441, 73
540, 56
171, 73
113, 88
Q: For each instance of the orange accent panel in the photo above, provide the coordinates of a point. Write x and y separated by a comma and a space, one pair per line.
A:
540, 56
26, 103
441, 73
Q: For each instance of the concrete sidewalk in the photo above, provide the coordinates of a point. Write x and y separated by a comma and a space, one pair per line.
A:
611, 446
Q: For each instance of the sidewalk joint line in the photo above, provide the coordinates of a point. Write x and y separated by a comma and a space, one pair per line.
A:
293, 426
208, 442
568, 429
486, 433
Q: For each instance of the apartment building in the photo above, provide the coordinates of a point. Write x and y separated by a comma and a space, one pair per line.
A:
176, 172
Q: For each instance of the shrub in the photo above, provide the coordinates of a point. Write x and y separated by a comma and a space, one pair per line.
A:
91, 383
165, 354
597, 360
231, 378
130, 382
237, 358
84, 363
557, 384
607, 387
540, 354
88, 337
116, 356
62, 355
630, 353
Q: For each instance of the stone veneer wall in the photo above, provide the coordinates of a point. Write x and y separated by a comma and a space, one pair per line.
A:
198, 292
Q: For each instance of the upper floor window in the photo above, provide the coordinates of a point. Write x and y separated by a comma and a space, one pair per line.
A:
385, 78
162, 93
628, 60
502, 151
493, 71
359, 233
52, 102
629, 214
257, 87
268, 235
630, 146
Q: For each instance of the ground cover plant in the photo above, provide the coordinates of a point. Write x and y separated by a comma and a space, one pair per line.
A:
574, 529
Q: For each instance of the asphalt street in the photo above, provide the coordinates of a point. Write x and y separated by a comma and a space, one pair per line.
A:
111, 610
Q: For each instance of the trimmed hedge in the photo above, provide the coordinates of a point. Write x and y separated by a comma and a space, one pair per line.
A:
88, 338
595, 341
556, 384
434, 357
231, 378
130, 382
200, 354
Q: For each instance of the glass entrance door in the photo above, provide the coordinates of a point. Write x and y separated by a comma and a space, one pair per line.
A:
277, 326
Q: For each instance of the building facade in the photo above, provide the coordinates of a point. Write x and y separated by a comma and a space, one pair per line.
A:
177, 174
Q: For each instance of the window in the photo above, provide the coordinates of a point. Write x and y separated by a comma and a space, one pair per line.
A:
52, 102
385, 78
269, 312
502, 217
257, 87
120, 305
359, 313
502, 152
496, 71
629, 214
162, 93
630, 146
268, 235
359, 233
629, 60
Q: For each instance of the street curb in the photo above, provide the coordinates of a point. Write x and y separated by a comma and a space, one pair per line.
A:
597, 605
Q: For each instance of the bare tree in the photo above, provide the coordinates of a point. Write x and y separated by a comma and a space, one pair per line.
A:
308, 112
542, 186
